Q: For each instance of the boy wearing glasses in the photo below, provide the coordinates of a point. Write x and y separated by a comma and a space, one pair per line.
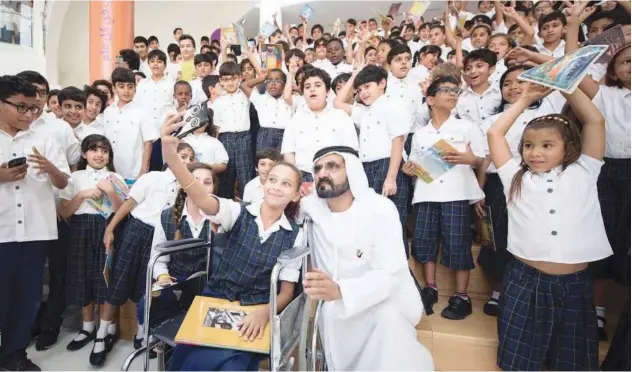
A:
441, 202
480, 99
32, 167
232, 118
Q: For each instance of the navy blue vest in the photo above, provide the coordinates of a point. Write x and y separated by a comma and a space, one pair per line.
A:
186, 263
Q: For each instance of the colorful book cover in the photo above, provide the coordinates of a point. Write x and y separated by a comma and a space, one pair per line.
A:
487, 229
267, 29
565, 73
430, 163
271, 56
213, 322
614, 38
419, 8
241, 36
230, 35
393, 11
104, 205
307, 12
306, 188
378, 13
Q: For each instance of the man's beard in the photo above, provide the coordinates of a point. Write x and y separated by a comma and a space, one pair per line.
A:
334, 191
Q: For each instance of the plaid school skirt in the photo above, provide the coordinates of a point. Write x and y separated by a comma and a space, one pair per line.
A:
493, 262
127, 280
86, 261
546, 321
269, 138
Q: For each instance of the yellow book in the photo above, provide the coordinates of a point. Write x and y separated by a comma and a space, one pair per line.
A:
188, 68
213, 322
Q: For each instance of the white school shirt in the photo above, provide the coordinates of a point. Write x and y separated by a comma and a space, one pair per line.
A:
494, 79
85, 180
407, 92
514, 134
557, 53
27, 207
228, 214
273, 112
380, 123
83, 130
128, 128
61, 132
161, 267
232, 112
198, 92
614, 104
557, 217
253, 193
310, 131
478, 108
420, 72
459, 183
155, 98
144, 68
173, 69
208, 150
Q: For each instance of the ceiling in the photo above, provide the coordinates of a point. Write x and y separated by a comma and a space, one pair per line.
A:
326, 12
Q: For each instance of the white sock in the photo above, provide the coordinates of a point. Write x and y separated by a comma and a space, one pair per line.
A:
101, 333
601, 313
112, 329
140, 331
495, 295
88, 327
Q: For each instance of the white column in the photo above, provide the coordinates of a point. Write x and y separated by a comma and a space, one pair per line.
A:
267, 8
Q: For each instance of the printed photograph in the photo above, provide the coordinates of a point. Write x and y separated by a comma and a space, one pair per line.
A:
16, 22
224, 318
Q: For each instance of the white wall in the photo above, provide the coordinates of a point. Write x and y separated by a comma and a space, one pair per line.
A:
16, 58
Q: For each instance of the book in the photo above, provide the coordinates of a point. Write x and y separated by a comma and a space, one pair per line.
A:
419, 8
614, 38
565, 73
487, 228
267, 29
307, 12
430, 163
241, 36
103, 204
230, 35
271, 56
394, 9
213, 322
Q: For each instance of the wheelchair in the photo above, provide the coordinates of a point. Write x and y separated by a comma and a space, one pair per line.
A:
289, 332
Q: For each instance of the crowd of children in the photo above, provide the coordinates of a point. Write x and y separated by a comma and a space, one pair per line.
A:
85, 184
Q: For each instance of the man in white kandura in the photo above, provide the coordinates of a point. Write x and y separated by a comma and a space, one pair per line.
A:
371, 304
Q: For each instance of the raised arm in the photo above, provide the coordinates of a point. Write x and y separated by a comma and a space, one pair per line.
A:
594, 124
587, 85
529, 32
339, 102
289, 85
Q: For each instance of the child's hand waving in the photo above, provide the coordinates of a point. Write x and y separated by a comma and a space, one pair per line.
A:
534, 92
43, 165
254, 324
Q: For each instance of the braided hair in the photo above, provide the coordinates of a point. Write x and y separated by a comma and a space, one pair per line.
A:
181, 198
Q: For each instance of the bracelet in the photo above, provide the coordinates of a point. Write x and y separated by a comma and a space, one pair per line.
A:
190, 184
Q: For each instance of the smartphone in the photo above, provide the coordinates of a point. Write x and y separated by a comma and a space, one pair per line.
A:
16, 162
195, 117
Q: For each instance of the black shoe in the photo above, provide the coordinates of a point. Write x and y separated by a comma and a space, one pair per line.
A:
110, 340
491, 307
138, 342
97, 359
603, 336
46, 340
19, 363
457, 308
429, 297
77, 345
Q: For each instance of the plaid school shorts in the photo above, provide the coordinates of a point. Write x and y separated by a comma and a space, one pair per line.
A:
447, 223
269, 138
546, 321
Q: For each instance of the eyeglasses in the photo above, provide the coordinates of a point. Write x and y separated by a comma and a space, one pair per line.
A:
330, 167
227, 79
447, 90
274, 81
22, 108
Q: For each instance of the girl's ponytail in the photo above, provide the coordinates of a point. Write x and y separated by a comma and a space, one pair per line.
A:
178, 207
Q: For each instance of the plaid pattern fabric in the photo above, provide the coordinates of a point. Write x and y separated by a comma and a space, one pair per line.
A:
127, 279
240, 163
186, 263
246, 265
614, 197
86, 260
546, 321
493, 262
376, 173
447, 223
269, 138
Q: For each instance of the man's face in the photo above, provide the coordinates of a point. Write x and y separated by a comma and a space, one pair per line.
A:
330, 177
10, 111
141, 49
73, 112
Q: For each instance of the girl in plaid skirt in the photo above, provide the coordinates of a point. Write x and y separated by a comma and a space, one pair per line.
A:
88, 201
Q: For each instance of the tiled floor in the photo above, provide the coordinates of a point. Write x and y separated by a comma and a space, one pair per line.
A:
59, 359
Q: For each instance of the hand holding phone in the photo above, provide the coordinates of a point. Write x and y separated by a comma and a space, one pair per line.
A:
14, 170
195, 117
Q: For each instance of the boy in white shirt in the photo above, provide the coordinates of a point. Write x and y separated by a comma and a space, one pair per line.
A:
205, 64
141, 47
552, 28
320, 125
73, 108
232, 119
128, 128
96, 102
336, 56
28, 220
442, 201
266, 159
479, 101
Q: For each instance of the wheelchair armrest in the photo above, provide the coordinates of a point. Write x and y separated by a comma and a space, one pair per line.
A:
293, 254
180, 245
